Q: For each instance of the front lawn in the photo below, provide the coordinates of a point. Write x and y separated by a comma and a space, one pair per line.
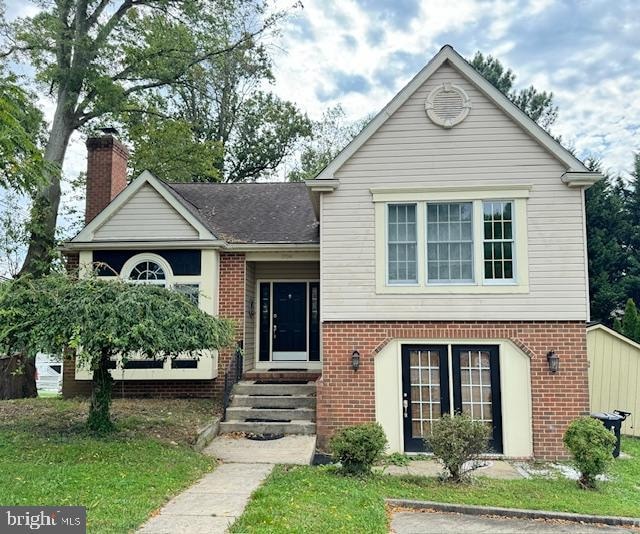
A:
49, 459
316, 499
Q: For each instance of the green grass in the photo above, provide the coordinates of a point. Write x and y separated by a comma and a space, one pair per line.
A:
49, 459
317, 499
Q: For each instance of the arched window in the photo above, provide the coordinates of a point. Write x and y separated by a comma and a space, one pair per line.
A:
147, 269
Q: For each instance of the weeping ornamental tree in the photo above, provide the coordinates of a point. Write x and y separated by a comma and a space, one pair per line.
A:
97, 320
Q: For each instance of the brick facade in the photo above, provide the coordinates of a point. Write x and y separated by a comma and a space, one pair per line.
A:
106, 173
181, 389
231, 305
346, 397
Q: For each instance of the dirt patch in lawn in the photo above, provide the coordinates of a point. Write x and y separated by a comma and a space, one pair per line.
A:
175, 421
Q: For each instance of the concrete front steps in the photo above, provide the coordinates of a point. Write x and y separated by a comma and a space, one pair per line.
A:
268, 405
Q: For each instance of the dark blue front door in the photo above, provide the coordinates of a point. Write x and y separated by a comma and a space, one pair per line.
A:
289, 321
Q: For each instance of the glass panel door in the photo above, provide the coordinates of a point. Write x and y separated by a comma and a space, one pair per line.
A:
476, 386
425, 392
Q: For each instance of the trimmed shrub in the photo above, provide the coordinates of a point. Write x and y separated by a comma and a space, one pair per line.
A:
458, 440
358, 447
591, 446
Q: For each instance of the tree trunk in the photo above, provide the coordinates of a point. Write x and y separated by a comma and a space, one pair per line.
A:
99, 417
17, 377
42, 227
44, 212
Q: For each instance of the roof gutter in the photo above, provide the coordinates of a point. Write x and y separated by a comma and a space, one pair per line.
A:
269, 247
316, 187
72, 246
581, 178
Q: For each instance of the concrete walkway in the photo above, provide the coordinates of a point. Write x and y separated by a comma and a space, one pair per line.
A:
426, 522
293, 449
432, 468
212, 504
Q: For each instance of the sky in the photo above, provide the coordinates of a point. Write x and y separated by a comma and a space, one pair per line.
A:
360, 53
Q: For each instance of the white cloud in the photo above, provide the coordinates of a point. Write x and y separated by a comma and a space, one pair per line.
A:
581, 61
576, 53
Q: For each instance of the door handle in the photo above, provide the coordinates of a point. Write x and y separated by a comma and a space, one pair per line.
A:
275, 328
405, 406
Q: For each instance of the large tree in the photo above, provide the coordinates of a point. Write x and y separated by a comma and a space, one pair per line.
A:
99, 57
21, 135
606, 239
538, 105
228, 123
97, 320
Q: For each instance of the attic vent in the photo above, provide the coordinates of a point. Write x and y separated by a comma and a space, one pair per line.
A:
447, 105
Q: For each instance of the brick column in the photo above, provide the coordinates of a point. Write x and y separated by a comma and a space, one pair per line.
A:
231, 291
106, 173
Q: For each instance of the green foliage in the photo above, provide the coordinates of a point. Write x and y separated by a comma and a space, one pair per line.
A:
121, 479
629, 324
100, 319
169, 149
458, 440
396, 458
228, 118
591, 446
329, 136
608, 254
101, 59
21, 128
313, 500
358, 447
13, 233
613, 239
538, 105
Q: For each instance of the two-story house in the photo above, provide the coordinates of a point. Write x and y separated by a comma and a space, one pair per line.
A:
437, 265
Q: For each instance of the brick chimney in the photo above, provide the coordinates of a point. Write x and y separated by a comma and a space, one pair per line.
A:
106, 171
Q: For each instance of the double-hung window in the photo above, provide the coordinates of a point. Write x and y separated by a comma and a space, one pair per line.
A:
454, 241
449, 242
498, 242
402, 249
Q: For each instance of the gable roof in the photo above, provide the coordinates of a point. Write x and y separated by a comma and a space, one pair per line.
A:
448, 54
254, 213
611, 332
87, 233
279, 212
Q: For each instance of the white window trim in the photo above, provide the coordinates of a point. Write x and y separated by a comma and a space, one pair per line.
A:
515, 225
446, 283
134, 261
419, 213
420, 196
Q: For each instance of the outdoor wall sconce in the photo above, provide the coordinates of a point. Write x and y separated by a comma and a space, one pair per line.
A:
554, 362
355, 360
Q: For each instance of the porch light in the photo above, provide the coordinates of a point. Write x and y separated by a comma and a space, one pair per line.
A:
355, 360
554, 361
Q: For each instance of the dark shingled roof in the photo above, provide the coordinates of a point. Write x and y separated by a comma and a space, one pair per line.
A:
252, 212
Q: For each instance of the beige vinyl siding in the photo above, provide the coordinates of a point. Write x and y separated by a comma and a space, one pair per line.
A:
249, 322
146, 216
487, 148
287, 270
614, 375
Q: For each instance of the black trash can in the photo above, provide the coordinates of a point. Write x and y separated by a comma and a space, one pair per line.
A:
612, 421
